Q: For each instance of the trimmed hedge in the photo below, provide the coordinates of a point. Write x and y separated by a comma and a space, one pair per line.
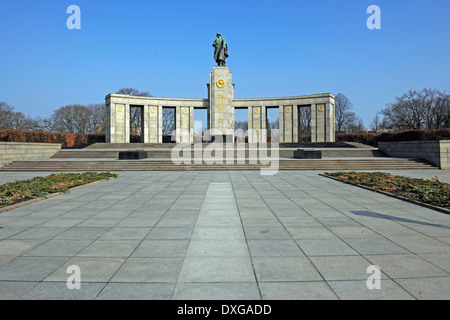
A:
78, 140
364, 138
415, 135
410, 135
67, 140
372, 139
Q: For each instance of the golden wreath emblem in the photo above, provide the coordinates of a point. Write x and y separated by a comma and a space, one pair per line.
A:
320, 107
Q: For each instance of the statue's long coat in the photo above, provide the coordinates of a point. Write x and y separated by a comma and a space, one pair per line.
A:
220, 49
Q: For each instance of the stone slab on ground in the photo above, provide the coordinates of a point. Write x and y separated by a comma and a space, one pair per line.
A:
224, 235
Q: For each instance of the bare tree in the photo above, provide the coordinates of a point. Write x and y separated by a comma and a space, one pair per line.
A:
344, 116
44, 124
275, 124
241, 130
6, 115
241, 125
19, 121
135, 113
168, 121
73, 118
272, 128
11, 119
356, 126
133, 92
98, 118
406, 112
69, 119
376, 123
442, 110
304, 115
268, 127
424, 109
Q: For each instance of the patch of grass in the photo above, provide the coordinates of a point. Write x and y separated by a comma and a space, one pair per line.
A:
19, 191
430, 191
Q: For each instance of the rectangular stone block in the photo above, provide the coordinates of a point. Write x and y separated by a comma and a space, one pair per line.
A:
12, 151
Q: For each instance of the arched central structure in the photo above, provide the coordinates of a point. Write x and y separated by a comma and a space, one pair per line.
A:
220, 106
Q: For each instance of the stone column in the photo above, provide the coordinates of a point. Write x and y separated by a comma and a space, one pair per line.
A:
109, 128
118, 122
153, 128
160, 128
185, 124
263, 132
191, 125
295, 136
281, 122
177, 124
329, 121
250, 124
322, 121
313, 123
145, 124
255, 125
127, 123
319, 111
286, 126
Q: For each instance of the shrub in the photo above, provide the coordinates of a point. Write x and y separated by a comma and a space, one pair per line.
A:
414, 135
430, 191
67, 140
305, 138
78, 140
410, 135
19, 191
364, 138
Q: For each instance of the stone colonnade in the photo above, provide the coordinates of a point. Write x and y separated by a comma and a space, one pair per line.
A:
220, 107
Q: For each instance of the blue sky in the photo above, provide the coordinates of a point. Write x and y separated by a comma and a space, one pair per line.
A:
277, 48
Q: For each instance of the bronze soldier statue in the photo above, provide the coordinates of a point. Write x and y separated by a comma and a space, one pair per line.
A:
220, 50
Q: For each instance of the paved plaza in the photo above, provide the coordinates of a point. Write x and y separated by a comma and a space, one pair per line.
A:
224, 235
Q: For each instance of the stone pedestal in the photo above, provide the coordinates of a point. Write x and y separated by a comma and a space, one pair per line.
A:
221, 111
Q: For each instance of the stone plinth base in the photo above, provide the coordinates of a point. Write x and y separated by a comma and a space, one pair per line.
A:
132, 155
308, 154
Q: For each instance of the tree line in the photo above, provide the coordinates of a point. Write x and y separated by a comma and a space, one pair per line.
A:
74, 118
416, 109
413, 110
424, 109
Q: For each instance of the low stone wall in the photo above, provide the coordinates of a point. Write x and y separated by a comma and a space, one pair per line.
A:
436, 152
12, 151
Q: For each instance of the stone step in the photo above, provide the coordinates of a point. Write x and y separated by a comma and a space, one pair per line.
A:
130, 146
352, 153
124, 165
359, 145
154, 154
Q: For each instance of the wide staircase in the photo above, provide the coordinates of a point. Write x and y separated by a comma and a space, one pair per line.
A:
335, 156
